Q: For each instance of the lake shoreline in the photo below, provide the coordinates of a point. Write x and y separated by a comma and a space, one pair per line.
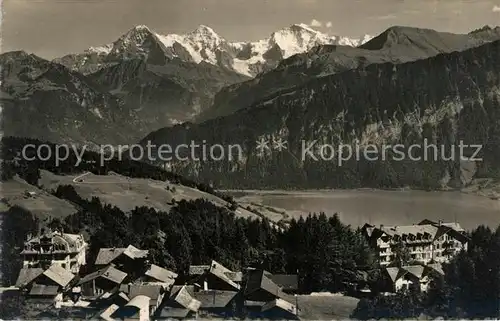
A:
378, 206
466, 190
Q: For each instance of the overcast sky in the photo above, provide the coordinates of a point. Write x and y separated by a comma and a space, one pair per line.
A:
51, 28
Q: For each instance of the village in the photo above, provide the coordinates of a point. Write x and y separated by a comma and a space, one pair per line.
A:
123, 285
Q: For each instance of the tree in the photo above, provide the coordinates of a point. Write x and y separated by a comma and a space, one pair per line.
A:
402, 254
13, 307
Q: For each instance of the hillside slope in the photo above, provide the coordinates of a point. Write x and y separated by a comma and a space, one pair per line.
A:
445, 99
67, 106
395, 45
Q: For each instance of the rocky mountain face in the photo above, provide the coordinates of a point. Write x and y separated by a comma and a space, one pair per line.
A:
205, 45
150, 76
444, 99
161, 80
45, 100
395, 45
164, 94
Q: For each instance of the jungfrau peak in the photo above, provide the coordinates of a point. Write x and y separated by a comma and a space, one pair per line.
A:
299, 38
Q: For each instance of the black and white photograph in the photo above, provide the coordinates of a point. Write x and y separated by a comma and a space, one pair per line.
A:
250, 160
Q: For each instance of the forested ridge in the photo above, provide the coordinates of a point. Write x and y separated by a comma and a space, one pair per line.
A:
444, 99
325, 253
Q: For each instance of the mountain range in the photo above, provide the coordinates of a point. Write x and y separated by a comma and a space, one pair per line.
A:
449, 97
403, 85
147, 80
204, 45
395, 45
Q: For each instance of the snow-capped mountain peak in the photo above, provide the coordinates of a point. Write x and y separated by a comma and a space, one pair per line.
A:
199, 45
204, 45
141, 28
204, 34
101, 50
298, 38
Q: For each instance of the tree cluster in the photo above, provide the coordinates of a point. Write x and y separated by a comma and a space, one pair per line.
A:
323, 251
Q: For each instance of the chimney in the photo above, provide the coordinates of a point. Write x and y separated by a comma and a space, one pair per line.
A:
440, 222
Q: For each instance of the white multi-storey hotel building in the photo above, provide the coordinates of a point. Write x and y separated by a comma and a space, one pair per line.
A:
54, 247
426, 242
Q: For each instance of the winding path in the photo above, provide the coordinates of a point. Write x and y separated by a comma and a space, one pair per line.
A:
78, 179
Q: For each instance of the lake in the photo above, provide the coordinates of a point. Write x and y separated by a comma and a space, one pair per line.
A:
357, 207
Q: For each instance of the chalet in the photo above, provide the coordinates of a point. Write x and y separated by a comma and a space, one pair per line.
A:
216, 301
129, 259
47, 285
27, 276
260, 288
180, 304
53, 247
416, 277
154, 292
289, 283
157, 274
111, 301
280, 309
101, 281
217, 277
136, 309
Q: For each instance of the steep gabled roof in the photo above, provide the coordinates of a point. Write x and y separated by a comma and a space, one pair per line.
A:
184, 298
135, 253
44, 290
454, 225
59, 275
438, 267
27, 275
109, 272
409, 230
108, 255
261, 280
152, 291
115, 293
415, 270
161, 274
234, 276
286, 281
198, 269
220, 271
132, 310
281, 304
395, 273
139, 302
214, 298
171, 308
